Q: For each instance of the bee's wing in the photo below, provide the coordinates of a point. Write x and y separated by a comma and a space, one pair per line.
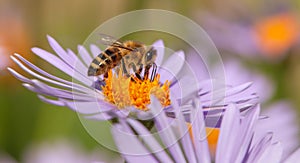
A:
108, 40
111, 41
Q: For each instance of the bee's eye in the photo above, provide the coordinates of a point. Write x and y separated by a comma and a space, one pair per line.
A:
149, 56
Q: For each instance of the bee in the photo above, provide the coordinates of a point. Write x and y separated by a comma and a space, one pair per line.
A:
129, 55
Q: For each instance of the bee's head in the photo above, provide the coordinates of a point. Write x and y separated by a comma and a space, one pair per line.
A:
150, 56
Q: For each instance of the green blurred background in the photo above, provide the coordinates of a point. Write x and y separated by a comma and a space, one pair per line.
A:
25, 120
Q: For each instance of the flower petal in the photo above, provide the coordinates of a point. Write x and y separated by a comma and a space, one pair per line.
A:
229, 132
199, 133
89, 107
272, 154
98, 117
160, 47
85, 55
295, 157
172, 66
129, 145
259, 148
150, 141
55, 61
165, 130
95, 50
57, 81
60, 51
186, 141
281, 121
77, 65
184, 89
50, 101
245, 133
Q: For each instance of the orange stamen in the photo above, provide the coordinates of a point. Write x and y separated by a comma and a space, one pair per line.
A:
123, 91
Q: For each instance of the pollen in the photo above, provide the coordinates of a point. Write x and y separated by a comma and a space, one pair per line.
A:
125, 91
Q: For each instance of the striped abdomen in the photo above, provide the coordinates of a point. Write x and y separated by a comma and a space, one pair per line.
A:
104, 62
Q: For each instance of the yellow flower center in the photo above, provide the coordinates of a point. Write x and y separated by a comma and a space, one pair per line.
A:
125, 91
212, 137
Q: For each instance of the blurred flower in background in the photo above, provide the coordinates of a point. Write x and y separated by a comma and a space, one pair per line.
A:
5, 158
64, 151
14, 37
276, 34
269, 36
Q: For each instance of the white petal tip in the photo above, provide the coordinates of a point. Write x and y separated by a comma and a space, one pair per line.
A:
181, 54
49, 37
158, 43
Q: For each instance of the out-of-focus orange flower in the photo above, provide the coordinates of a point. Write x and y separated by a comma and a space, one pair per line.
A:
14, 38
276, 34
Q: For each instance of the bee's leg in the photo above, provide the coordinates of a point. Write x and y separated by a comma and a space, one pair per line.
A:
105, 76
153, 72
138, 72
125, 72
146, 72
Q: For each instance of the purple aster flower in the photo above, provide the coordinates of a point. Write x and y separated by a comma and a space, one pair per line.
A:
235, 141
281, 121
84, 96
269, 37
281, 113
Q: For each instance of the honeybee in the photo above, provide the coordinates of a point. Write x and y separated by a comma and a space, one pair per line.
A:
130, 55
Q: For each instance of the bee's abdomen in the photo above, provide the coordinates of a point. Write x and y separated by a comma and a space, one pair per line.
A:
103, 62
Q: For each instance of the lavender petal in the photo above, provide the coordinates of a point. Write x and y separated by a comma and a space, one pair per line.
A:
165, 130
74, 85
78, 65
95, 50
50, 101
160, 47
199, 133
55, 61
246, 130
89, 107
65, 83
129, 145
295, 157
18, 76
150, 141
84, 54
259, 148
228, 135
99, 117
272, 153
169, 70
68, 59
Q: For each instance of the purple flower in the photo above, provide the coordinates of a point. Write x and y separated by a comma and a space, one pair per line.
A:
282, 122
235, 141
281, 114
267, 37
82, 96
